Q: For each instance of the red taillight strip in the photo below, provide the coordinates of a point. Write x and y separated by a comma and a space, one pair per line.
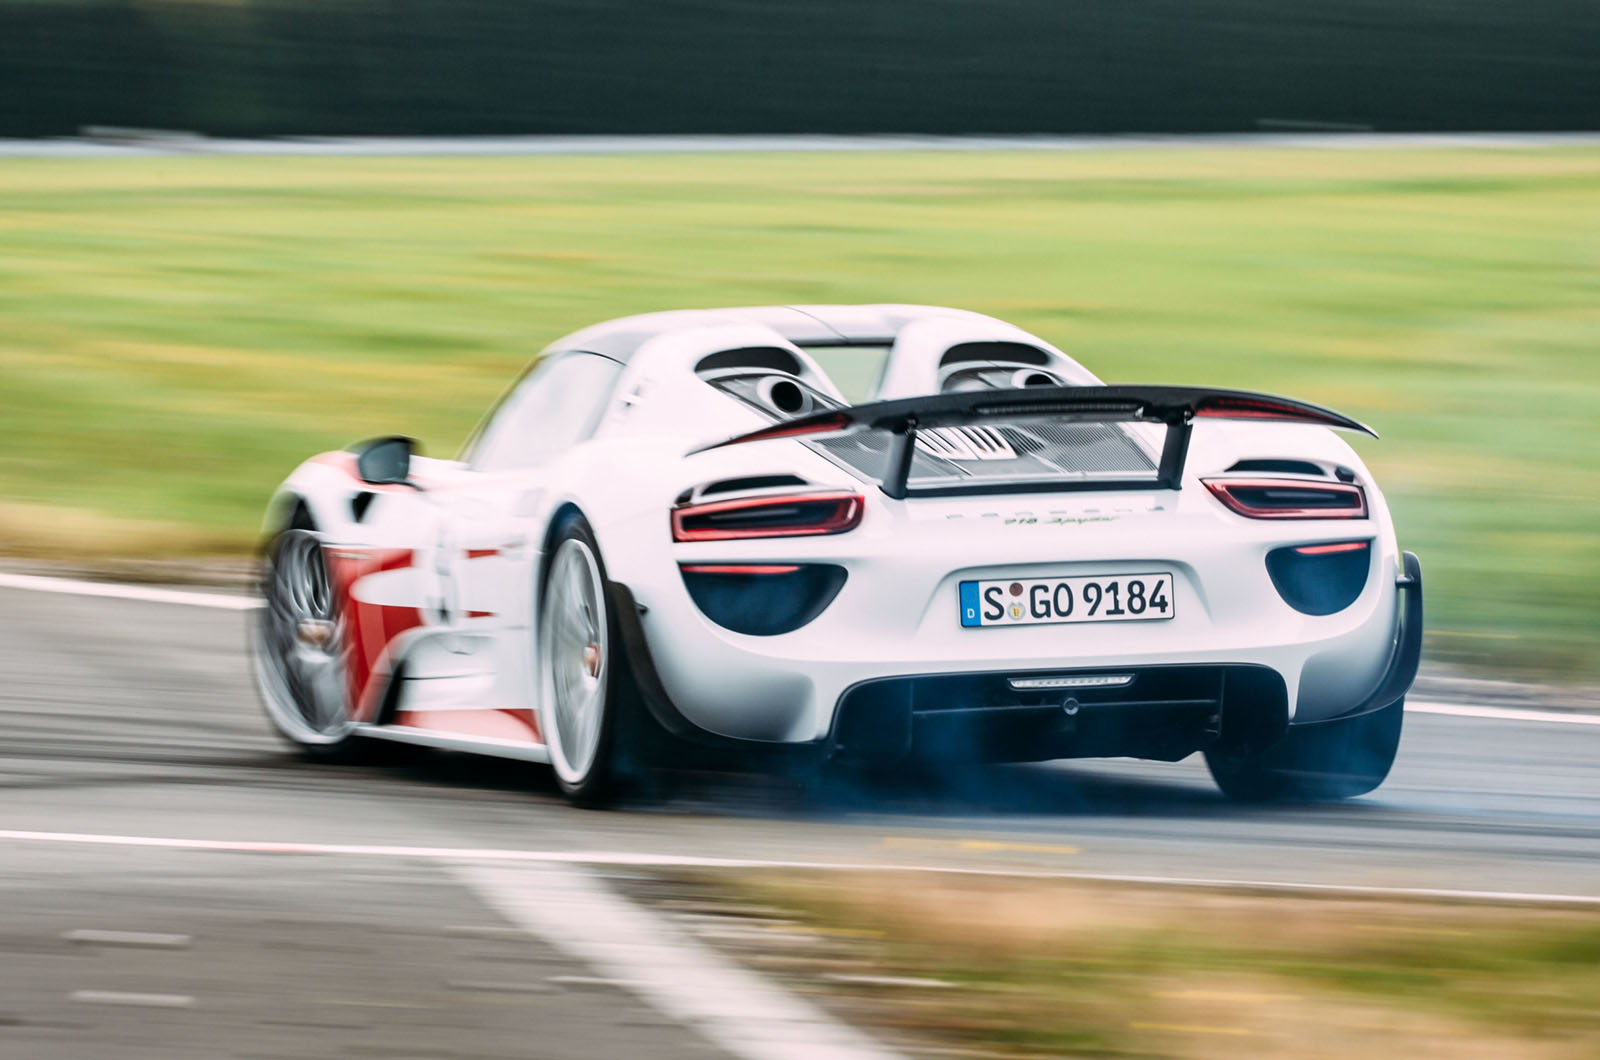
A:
1223, 489
1324, 550
738, 568
846, 515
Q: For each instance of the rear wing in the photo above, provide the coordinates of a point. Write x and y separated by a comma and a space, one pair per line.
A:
1177, 407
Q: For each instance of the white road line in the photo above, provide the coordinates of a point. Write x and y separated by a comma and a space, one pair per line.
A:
1462, 710
498, 986
120, 591
147, 939
688, 861
118, 997
731, 1007
585, 980
912, 982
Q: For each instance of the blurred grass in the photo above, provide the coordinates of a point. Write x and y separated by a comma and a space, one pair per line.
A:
177, 332
1050, 968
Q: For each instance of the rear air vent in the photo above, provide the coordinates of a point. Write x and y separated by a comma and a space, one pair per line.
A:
967, 443
1032, 450
1279, 467
762, 600
751, 482
1320, 579
1001, 352
769, 358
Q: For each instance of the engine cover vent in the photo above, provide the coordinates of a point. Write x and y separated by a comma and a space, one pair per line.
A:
966, 443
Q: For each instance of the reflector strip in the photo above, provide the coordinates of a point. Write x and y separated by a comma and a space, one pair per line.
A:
738, 568
1030, 684
1323, 550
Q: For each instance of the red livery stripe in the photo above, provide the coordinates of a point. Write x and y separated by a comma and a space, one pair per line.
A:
369, 628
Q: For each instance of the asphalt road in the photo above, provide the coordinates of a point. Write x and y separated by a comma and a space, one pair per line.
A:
130, 718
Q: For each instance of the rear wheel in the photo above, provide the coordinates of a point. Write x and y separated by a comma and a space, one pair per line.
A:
587, 690
299, 659
1320, 761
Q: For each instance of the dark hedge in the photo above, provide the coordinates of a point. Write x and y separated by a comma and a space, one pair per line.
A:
254, 67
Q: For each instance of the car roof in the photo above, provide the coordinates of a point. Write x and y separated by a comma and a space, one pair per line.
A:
803, 325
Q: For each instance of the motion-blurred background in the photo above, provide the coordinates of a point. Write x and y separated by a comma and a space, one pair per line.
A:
178, 326
225, 246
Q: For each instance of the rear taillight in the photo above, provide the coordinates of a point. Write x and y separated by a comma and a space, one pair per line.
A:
1266, 498
786, 515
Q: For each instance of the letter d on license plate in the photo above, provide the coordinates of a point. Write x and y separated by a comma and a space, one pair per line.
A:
1091, 598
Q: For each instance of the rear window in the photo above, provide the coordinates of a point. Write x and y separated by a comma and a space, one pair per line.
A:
855, 370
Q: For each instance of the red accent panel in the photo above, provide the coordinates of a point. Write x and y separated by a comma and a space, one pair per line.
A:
480, 614
482, 553
369, 629
394, 559
517, 725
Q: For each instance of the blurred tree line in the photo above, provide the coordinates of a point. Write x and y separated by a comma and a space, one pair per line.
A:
259, 67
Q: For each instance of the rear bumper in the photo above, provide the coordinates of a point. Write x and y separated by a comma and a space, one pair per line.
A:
659, 704
1165, 711
1158, 712
1401, 672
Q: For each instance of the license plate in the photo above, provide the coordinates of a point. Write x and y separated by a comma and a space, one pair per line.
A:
1092, 598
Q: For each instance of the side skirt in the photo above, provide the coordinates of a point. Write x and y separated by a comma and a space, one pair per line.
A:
450, 741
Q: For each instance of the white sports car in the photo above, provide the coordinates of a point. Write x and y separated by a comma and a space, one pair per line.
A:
678, 535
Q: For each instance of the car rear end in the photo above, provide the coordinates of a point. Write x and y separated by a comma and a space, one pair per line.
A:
1046, 601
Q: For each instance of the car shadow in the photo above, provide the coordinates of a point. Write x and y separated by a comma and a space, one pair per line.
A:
1151, 790
1034, 789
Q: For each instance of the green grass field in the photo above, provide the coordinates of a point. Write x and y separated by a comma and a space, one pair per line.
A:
177, 332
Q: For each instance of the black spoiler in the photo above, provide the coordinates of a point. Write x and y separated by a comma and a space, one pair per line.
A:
1175, 406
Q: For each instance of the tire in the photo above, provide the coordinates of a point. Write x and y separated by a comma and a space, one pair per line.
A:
298, 649
1321, 761
588, 703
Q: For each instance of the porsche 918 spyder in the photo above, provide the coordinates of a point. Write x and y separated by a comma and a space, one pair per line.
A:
866, 535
